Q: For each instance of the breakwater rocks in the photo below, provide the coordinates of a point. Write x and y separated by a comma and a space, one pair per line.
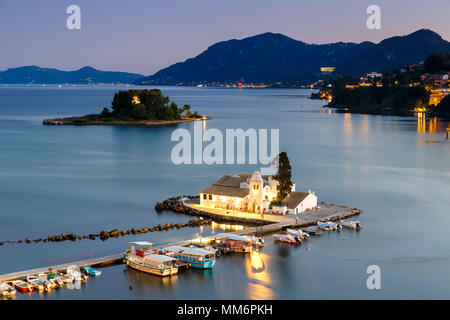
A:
176, 204
105, 235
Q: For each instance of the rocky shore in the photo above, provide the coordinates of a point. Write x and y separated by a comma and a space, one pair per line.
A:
88, 120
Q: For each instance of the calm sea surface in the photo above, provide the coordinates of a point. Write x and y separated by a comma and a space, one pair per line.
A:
86, 179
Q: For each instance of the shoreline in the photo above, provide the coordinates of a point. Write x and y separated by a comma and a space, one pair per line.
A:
83, 121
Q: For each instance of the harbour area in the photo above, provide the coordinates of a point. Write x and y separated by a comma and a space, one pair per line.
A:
260, 225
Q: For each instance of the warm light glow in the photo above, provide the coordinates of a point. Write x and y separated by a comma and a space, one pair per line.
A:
136, 100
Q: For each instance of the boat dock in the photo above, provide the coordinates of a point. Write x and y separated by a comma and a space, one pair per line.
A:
95, 262
329, 213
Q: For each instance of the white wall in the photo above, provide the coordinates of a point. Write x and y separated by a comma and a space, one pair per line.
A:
308, 203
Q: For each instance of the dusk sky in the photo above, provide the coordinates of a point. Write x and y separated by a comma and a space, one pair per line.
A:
144, 36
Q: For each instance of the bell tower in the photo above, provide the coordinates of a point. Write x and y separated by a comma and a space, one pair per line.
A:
256, 195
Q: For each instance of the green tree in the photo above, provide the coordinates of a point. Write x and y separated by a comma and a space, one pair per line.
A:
284, 176
105, 113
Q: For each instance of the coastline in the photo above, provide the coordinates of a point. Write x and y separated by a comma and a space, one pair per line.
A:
84, 121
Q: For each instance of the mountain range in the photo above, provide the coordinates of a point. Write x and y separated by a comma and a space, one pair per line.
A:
273, 57
86, 75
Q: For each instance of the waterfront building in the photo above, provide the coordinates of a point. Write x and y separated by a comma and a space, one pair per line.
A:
254, 193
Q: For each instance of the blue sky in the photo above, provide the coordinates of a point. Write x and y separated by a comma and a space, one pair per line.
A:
145, 35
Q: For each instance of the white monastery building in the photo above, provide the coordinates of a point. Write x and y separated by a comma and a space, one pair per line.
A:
254, 193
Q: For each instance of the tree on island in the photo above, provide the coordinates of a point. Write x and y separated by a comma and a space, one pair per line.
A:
144, 104
283, 177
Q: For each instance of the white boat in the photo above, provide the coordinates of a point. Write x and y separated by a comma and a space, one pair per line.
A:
351, 224
148, 259
328, 226
156, 264
287, 238
7, 290
75, 272
298, 233
36, 283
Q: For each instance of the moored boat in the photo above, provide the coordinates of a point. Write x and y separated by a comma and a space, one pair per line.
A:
36, 282
92, 271
48, 283
7, 290
298, 233
148, 259
235, 243
287, 238
22, 286
329, 226
351, 224
195, 257
75, 272
156, 264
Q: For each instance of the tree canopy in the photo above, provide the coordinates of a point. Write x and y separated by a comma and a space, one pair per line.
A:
145, 104
283, 176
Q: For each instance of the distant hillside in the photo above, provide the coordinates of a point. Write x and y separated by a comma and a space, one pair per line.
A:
271, 57
86, 75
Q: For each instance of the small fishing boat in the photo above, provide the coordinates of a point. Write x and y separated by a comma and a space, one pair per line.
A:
57, 277
312, 230
195, 257
48, 283
22, 286
324, 226
287, 238
7, 290
298, 233
351, 224
92, 271
75, 272
67, 278
329, 226
36, 282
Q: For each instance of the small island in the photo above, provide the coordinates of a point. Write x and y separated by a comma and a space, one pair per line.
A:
141, 107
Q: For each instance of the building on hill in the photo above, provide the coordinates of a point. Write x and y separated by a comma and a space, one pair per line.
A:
254, 193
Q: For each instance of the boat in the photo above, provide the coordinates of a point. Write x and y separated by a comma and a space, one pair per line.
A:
324, 226
287, 238
312, 230
22, 286
92, 271
7, 290
351, 224
157, 264
36, 282
48, 283
148, 259
195, 257
329, 226
75, 272
235, 243
298, 233
57, 277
